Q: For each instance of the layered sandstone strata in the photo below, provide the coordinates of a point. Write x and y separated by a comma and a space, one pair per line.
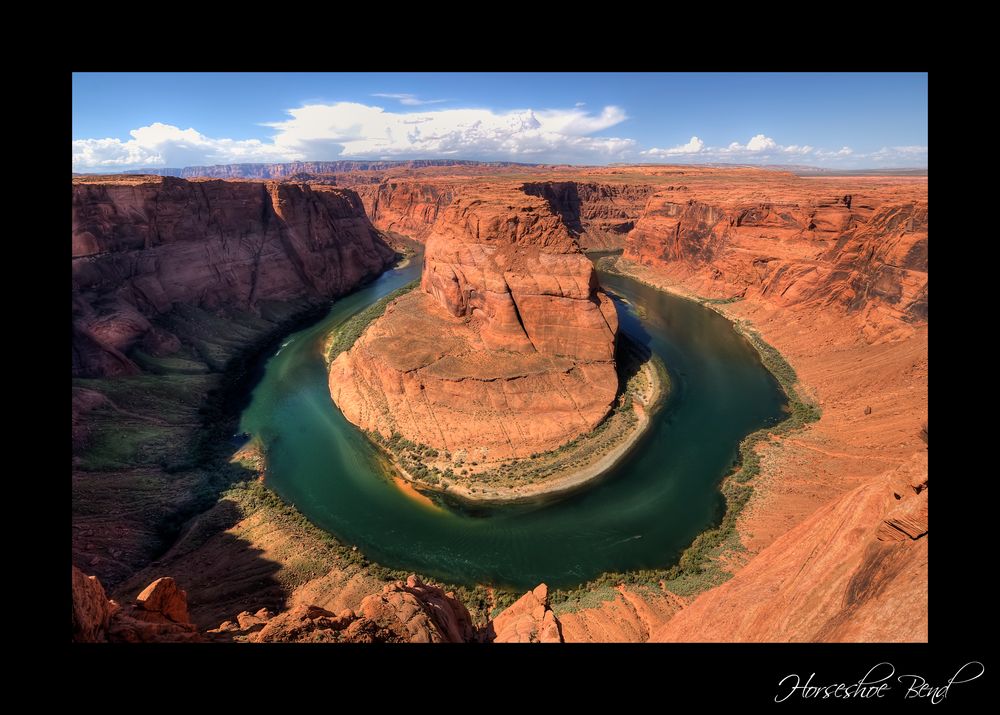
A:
857, 246
599, 215
407, 207
833, 274
143, 244
505, 350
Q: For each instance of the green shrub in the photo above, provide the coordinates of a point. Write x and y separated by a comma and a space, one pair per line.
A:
348, 332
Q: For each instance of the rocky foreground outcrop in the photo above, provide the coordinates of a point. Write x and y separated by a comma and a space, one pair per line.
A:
142, 245
91, 609
528, 620
403, 612
505, 350
158, 615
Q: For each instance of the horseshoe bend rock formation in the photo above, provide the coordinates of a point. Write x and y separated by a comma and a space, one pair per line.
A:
142, 244
505, 350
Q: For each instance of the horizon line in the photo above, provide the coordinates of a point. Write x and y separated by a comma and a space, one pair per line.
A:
485, 162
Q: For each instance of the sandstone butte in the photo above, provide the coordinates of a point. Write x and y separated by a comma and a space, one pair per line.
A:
506, 349
830, 271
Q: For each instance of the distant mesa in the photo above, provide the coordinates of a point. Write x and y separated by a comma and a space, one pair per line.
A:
290, 169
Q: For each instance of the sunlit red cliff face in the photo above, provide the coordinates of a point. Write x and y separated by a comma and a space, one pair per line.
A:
407, 208
142, 245
506, 349
854, 570
598, 215
855, 246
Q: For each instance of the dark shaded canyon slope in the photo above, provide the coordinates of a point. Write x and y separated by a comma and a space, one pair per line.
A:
143, 245
177, 286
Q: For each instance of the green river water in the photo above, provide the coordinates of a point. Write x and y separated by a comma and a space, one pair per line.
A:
641, 514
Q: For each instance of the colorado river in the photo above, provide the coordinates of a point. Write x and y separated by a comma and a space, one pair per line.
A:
642, 514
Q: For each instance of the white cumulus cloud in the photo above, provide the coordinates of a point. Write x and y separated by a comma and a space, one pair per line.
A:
841, 153
166, 145
897, 155
345, 130
353, 130
761, 143
912, 149
759, 149
693, 146
756, 145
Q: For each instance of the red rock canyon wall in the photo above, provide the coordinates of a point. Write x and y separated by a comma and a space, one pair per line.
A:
143, 244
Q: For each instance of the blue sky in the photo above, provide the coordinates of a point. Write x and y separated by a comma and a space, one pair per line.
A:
849, 120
